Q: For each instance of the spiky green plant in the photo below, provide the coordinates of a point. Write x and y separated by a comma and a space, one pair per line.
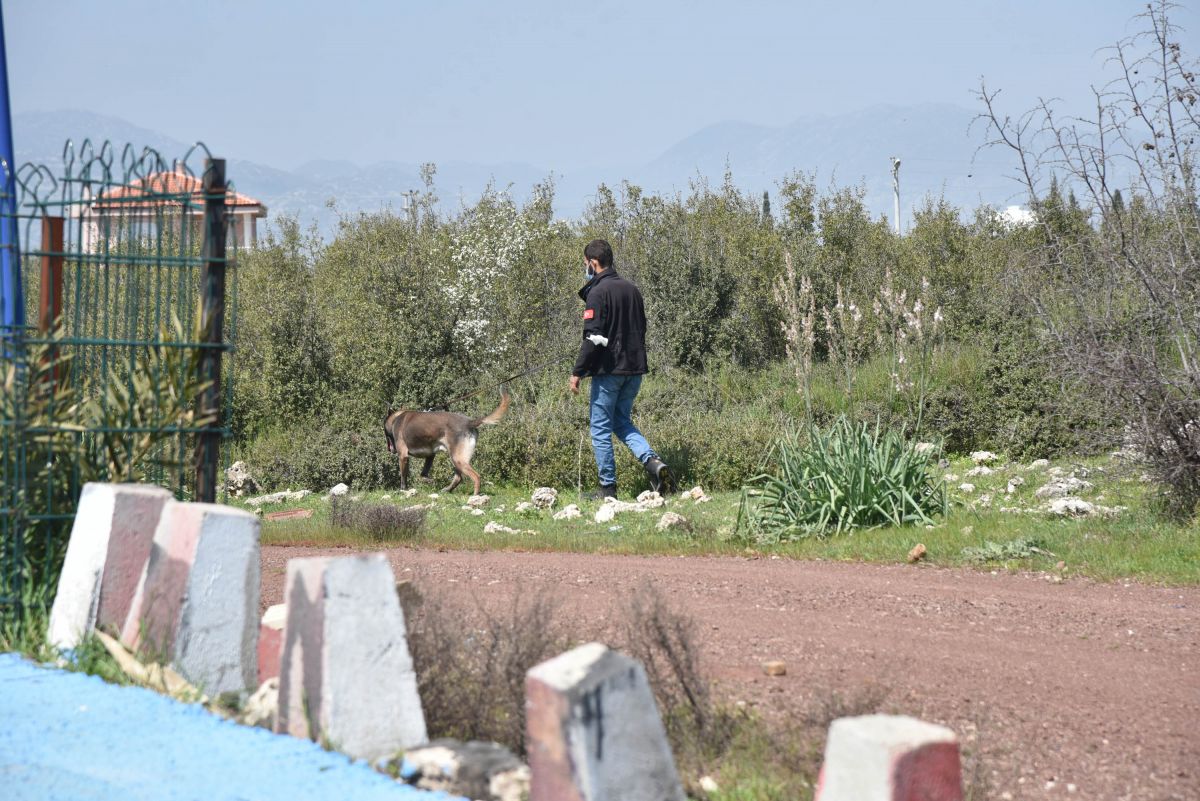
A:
111, 428
837, 479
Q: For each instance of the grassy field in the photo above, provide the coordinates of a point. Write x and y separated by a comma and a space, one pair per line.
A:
987, 528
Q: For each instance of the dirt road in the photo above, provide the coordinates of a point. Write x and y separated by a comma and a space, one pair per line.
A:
1073, 690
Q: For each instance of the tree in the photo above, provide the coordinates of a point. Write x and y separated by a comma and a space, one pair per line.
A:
1117, 286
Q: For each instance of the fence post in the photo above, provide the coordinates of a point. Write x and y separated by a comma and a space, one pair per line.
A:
212, 325
50, 300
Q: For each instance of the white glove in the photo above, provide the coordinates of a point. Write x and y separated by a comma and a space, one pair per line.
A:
597, 340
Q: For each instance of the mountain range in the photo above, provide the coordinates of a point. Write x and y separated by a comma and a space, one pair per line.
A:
939, 146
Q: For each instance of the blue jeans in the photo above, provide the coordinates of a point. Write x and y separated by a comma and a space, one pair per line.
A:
612, 404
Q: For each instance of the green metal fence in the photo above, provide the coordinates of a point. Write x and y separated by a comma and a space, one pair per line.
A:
130, 293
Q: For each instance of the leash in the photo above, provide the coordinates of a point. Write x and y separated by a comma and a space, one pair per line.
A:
535, 369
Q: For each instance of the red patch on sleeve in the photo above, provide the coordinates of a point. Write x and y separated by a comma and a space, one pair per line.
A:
589, 314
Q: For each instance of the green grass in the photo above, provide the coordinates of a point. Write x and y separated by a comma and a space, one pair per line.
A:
1135, 544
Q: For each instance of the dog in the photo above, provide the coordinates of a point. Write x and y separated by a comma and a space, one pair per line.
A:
411, 433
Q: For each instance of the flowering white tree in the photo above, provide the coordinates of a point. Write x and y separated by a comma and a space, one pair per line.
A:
487, 250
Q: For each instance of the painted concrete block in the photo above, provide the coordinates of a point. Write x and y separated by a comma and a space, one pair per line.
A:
110, 543
594, 733
196, 606
270, 641
890, 758
346, 677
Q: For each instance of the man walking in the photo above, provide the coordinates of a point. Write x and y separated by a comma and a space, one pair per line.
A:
613, 353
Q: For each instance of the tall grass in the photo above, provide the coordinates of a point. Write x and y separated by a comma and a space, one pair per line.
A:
844, 477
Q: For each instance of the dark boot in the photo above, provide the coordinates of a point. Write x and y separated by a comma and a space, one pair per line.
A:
662, 480
605, 491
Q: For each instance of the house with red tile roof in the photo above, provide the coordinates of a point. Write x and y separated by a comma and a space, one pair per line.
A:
169, 200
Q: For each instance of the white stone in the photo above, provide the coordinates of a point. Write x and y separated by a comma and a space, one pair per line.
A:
594, 733
1060, 487
606, 513
889, 758
1071, 507
966, 488
1038, 464
346, 676
1013, 483
923, 448
480, 770
651, 499
982, 470
278, 497
261, 707
570, 512
338, 489
477, 512
524, 507
111, 540
493, 527
275, 617
697, 494
238, 481
671, 520
983, 457
477, 501
544, 497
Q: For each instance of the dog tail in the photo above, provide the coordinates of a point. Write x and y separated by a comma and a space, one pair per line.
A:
496, 416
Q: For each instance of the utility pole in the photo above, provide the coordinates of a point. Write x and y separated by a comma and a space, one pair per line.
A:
896, 190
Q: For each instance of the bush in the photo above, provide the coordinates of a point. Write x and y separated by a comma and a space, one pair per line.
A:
385, 522
842, 478
317, 456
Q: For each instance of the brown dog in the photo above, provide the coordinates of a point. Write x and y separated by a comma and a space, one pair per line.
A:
412, 433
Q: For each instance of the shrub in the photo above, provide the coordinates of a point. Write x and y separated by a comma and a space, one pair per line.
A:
471, 665
842, 478
383, 521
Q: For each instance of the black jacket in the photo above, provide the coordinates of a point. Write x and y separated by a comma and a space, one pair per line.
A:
613, 310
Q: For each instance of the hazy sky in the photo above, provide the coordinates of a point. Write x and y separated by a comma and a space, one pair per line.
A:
553, 83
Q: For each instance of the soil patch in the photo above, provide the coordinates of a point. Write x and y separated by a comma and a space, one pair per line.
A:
1080, 689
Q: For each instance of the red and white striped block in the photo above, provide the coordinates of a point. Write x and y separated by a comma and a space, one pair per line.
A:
110, 542
890, 758
196, 606
270, 641
345, 673
593, 730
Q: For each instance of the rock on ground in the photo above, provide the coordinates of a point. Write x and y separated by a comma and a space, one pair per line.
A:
1070, 506
493, 527
1061, 487
984, 457
475, 770
651, 499
570, 512
338, 489
238, 481
278, 497
544, 497
261, 707
671, 520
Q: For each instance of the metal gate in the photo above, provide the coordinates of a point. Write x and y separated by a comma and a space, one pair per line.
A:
116, 373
